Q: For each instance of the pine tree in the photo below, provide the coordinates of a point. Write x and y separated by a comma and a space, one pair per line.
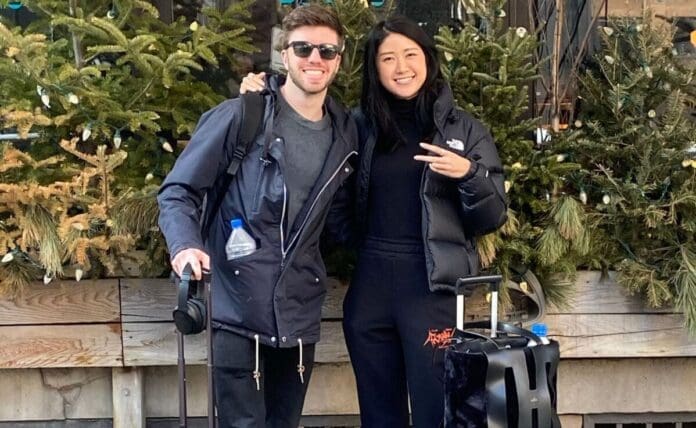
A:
99, 93
635, 144
357, 17
489, 68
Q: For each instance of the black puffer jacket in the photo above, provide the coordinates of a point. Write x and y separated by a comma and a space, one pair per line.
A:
454, 212
277, 291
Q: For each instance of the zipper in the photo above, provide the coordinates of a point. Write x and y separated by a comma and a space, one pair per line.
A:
424, 221
284, 250
283, 253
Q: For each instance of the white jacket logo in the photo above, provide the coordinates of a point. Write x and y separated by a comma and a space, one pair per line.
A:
456, 144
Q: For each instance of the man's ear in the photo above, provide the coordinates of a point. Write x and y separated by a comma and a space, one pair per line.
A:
284, 57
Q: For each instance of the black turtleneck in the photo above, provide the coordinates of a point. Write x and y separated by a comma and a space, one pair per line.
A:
394, 206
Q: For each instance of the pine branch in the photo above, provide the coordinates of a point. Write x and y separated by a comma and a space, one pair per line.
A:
76, 42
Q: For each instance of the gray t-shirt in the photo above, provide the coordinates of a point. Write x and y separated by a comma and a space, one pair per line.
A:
306, 145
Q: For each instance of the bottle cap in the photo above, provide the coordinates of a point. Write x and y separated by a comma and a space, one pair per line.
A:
236, 222
539, 329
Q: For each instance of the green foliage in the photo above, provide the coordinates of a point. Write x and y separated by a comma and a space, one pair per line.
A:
489, 68
108, 89
632, 142
357, 19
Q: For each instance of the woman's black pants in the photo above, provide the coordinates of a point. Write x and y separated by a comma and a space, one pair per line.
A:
395, 329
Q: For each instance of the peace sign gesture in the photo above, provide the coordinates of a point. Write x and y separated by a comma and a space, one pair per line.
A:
444, 162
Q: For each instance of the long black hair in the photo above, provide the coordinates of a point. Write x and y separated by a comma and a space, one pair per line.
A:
374, 98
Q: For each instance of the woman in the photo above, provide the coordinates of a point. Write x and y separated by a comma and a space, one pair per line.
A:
429, 181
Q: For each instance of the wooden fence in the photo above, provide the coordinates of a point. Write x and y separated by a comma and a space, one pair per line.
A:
125, 324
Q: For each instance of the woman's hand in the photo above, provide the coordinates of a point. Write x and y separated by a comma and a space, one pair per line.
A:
253, 83
444, 161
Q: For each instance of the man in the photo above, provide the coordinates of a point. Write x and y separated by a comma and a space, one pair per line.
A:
266, 305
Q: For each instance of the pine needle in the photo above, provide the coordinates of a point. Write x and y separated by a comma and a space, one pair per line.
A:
486, 247
17, 274
551, 246
39, 230
685, 284
136, 214
568, 215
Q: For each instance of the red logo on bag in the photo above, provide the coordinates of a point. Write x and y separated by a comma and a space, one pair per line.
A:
439, 338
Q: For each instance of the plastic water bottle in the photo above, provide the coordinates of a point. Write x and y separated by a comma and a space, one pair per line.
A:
240, 243
541, 330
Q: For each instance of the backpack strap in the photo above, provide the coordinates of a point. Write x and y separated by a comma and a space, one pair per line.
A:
252, 115
251, 123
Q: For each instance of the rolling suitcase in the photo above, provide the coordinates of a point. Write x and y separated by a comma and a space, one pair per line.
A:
192, 316
505, 379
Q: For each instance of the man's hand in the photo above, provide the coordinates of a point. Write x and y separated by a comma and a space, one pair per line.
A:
253, 83
444, 161
196, 258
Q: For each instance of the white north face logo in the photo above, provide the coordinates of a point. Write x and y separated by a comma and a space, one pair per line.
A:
456, 144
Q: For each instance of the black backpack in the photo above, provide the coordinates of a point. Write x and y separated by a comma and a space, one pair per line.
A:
252, 119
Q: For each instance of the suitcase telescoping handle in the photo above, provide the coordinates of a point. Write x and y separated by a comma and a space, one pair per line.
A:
464, 286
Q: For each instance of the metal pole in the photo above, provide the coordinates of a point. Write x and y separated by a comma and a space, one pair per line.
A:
212, 420
182, 378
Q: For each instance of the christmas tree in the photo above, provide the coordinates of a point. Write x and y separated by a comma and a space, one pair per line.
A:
635, 143
98, 93
489, 68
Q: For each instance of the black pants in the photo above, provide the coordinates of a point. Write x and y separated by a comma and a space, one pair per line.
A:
278, 404
394, 328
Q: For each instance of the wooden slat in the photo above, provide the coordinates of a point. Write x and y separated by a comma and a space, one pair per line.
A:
663, 7
621, 335
596, 295
147, 299
333, 303
332, 346
91, 345
128, 392
63, 302
154, 299
152, 344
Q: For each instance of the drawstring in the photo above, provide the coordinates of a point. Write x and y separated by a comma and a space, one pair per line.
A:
257, 373
300, 367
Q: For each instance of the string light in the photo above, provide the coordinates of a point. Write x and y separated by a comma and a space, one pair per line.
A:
45, 99
112, 13
117, 138
86, 131
166, 146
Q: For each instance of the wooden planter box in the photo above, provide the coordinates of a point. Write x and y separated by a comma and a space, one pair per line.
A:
107, 349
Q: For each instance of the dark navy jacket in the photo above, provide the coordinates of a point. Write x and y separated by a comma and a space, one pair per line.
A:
276, 292
454, 212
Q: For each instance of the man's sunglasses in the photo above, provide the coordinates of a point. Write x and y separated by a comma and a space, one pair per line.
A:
304, 49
